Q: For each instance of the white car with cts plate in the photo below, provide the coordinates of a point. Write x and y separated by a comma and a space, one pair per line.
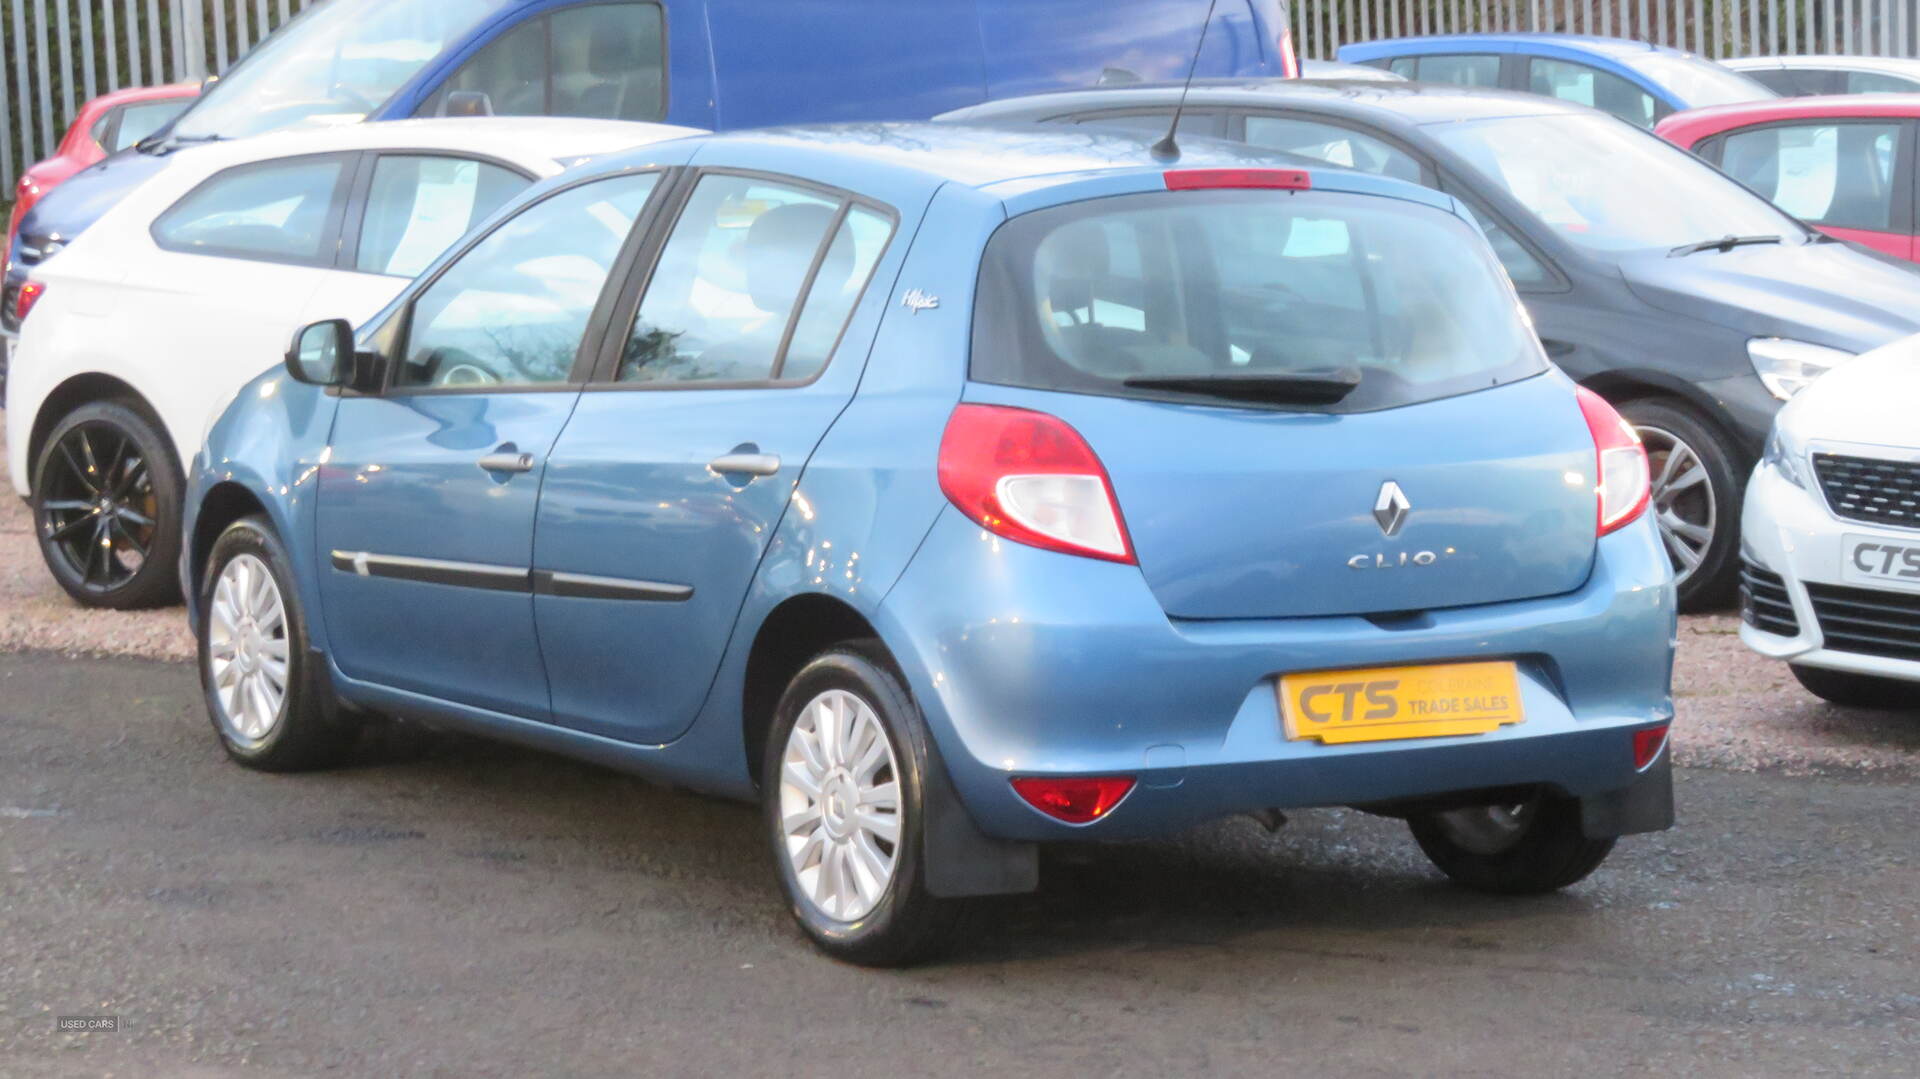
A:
135, 337
1831, 534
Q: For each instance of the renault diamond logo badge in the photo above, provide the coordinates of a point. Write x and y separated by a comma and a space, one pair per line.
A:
1390, 509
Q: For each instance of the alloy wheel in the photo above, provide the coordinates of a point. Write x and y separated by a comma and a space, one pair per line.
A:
840, 805
98, 509
247, 650
1683, 501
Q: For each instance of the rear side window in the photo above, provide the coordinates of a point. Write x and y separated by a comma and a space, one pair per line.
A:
419, 205
1838, 174
601, 61
1592, 87
1459, 70
1225, 284
723, 303
280, 211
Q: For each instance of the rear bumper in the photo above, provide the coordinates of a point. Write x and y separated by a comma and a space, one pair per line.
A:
1032, 663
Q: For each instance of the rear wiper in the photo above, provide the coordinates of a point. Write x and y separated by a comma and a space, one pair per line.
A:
1724, 243
1321, 387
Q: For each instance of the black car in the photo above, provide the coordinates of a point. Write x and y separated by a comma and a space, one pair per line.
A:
1690, 302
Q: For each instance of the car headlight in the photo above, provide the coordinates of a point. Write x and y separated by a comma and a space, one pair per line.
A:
1785, 458
1787, 367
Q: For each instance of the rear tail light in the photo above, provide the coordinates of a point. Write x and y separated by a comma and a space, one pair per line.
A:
30, 294
1031, 478
1647, 745
1624, 482
1077, 800
1289, 60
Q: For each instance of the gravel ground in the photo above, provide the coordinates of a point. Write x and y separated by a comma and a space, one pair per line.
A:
1735, 709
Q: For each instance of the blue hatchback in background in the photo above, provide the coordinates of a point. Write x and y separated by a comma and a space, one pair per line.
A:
1638, 82
713, 64
953, 490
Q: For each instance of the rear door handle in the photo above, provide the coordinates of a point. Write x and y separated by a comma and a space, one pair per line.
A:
507, 462
749, 464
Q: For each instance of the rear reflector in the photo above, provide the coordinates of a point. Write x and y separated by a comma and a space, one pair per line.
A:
1076, 801
30, 294
1625, 481
1647, 745
1031, 478
1213, 179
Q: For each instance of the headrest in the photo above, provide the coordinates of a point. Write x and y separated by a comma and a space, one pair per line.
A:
779, 250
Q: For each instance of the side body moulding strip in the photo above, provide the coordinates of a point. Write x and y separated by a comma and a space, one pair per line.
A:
507, 578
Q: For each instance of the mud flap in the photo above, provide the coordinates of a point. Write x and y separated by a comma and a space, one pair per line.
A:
960, 859
1644, 806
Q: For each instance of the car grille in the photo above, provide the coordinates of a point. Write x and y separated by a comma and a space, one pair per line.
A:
1869, 489
1764, 604
1868, 622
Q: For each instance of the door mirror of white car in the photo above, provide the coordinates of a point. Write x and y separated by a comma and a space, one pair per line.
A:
322, 354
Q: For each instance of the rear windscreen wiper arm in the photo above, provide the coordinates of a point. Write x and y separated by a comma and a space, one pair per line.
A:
1724, 243
1322, 387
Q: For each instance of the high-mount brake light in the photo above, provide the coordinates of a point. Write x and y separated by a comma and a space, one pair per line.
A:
1029, 477
1215, 179
1625, 481
1077, 800
30, 294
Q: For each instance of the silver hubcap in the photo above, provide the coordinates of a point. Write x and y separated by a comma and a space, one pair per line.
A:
1683, 502
840, 805
247, 649
1488, 829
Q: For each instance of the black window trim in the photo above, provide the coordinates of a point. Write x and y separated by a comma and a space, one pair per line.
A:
348, 249
330, 231
399, 325
604, 376
431, 101
1903, 214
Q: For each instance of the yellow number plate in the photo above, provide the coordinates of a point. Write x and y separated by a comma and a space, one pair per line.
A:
1385, 703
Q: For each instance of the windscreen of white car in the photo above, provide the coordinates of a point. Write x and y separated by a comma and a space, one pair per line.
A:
1226, 295
1605, 186
337, 62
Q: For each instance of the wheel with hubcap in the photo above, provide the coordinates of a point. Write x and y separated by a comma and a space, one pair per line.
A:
106, 508
1522, 848
842, 787
268, 706
1695, 500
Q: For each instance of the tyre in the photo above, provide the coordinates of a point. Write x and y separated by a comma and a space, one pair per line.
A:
1857, 690
1697, 486
1522, 849
843, 791
269, 703
106, 508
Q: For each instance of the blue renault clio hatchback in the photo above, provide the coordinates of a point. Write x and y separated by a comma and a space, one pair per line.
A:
952, 491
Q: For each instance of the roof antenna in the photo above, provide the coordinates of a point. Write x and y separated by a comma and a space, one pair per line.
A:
1167, 149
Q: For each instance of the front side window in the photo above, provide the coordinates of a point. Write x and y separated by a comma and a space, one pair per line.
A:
1108, 295
1838, 174
1604, 186
340, 60
513, 309
720, 301
1594, 88
1459, 70
418, 206
1333, 144
282, 211
601, 61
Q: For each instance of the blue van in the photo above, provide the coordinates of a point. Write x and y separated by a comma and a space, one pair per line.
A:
716, 64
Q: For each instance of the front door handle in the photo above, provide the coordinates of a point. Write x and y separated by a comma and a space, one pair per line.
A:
749, 464
507, 462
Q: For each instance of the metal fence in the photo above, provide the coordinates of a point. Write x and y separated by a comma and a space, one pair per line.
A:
58, 54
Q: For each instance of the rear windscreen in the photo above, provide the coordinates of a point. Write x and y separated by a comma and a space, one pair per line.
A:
1237, 284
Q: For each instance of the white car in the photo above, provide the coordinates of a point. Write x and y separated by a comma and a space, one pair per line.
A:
1832, 534
1803, 76
137, 335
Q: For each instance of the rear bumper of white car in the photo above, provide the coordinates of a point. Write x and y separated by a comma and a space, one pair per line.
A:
1802, 602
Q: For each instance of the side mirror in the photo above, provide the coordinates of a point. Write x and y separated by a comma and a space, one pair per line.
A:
468, 103
322, 354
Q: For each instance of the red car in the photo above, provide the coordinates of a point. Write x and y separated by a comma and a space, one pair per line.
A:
107, 124
1842, 164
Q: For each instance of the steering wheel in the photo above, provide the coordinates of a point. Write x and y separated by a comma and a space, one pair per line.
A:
468, 374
